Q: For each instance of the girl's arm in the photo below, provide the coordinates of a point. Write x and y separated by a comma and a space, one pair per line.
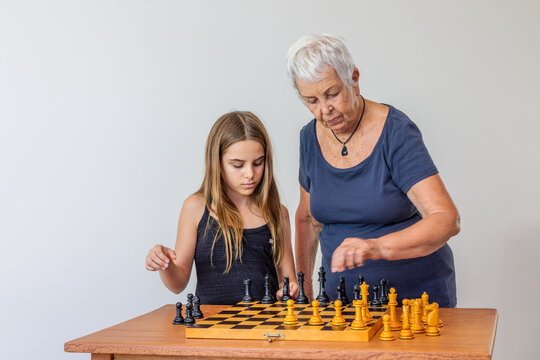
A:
286, 267
175, 266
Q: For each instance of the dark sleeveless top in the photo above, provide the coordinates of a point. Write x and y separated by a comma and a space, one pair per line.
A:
215, 287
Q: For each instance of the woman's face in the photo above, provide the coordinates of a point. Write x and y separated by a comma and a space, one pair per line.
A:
331, 102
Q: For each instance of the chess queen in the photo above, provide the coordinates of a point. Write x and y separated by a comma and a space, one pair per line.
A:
367, 182
234, 227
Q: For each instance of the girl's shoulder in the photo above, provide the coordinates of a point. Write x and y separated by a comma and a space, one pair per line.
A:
194, 206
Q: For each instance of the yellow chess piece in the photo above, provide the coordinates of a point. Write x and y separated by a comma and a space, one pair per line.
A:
433, 320
406, 333
417, 326
386, 334
290, 319
364, 291
316, 318
338, 319
395, 324
425, 302
358, 323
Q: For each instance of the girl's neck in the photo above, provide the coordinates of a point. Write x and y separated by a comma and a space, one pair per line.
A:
240, 201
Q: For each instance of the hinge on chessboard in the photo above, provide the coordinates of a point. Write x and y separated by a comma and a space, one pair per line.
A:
274, 336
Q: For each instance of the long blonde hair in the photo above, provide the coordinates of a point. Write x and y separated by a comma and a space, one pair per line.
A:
229, 129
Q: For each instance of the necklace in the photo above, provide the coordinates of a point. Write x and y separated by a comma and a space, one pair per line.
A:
344, 151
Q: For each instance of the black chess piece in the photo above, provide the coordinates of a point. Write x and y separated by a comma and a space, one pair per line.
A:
301, 298
383, 291
268, 298
286, 295
339, 292
197, 313
189, 320
376, 302
361, 279
323, 297
344, 298
356, 291
247, 291
179, 319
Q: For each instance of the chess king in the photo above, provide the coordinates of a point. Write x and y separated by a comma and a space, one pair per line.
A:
234, 227
370, 193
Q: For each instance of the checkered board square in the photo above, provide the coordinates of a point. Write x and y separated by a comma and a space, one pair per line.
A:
261, 321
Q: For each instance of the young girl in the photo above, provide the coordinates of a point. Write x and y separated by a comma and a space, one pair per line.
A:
234, 227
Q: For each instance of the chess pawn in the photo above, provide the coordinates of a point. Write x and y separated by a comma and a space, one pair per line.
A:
316, 318
178, 320
189, 313
290, 319
358, 323
417, 326
406, 333
386, 334
433, 320
338, 319
395, 324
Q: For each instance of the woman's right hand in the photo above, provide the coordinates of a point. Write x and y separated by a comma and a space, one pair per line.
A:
158, 258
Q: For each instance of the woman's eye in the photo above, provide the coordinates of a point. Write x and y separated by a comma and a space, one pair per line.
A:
259, 163
237, 166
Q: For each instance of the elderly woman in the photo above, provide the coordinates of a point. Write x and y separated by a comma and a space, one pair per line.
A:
369, 190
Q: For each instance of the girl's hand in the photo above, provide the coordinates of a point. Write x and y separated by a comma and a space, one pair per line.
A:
158, 258
293, 290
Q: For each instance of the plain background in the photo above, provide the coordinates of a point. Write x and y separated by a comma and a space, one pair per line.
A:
105, 107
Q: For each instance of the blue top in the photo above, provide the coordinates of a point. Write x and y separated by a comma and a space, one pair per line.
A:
370, 200
215, 287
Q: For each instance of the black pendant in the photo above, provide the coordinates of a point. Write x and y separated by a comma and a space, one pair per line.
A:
344, 151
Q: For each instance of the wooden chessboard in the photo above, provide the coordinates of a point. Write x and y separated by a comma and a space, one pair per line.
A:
265, 321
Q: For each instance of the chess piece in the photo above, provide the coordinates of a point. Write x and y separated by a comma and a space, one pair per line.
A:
197, 313
301, 298
344, 299
323, 297
386, 333
356, 291
268, 298
364, 291
247, 291
290, 319
358, 323
286, 295
395, 324
189, 312
178, 320
360, 280
338, 319
376, 302
316, 318
366, 316
417, 326
383, 292
406, 333
433, 320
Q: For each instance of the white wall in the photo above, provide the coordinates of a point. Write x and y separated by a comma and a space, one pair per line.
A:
105, 107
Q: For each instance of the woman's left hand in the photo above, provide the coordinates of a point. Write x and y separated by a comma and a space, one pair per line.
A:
353, 252
293, 290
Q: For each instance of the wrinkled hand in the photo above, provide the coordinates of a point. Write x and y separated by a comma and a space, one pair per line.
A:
158, 258
293, 290
354, 252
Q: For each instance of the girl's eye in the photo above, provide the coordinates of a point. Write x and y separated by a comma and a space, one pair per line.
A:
259, 163
237, 166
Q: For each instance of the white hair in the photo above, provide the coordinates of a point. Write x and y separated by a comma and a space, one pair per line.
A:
312, 54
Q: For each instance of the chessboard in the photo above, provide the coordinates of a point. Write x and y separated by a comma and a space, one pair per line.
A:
265, 321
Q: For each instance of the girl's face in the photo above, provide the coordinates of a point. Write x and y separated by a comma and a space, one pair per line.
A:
242, 167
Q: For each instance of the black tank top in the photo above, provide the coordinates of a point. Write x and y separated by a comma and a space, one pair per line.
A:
215, 287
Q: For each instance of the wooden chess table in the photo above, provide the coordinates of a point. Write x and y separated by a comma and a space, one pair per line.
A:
467, 333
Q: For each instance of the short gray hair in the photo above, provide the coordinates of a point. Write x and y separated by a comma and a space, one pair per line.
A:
311, 54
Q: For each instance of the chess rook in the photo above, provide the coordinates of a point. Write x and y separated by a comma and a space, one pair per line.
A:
247, 291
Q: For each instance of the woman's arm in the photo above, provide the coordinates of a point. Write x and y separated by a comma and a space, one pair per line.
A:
176, 271
286, 267
440, 221
306, 241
